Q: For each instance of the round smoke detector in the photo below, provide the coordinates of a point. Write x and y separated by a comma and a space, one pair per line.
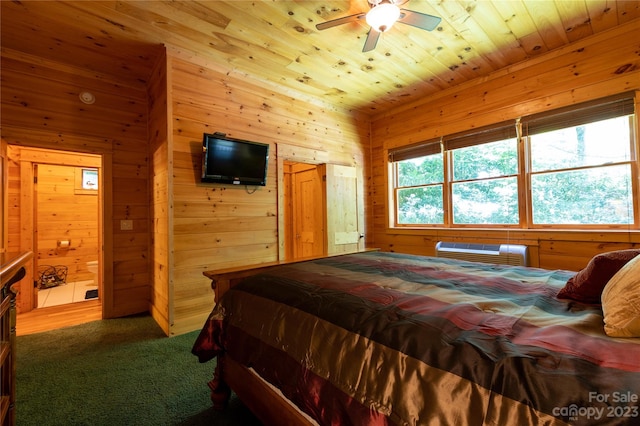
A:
87, 97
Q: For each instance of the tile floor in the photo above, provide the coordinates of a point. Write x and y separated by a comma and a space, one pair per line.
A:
65, 293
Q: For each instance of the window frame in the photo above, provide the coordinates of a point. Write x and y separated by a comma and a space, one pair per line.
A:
588, 112
396, 189
452, 182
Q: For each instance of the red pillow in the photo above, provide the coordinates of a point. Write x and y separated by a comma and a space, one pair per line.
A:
587, 285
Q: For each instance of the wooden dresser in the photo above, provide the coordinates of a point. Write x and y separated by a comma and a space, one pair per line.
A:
12, 270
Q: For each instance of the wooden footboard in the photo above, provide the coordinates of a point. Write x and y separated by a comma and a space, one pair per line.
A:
269, 405
223, 279
266, 403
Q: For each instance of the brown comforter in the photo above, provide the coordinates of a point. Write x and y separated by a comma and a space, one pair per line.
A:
382, 338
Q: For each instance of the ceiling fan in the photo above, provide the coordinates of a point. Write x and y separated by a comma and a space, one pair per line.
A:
381, 17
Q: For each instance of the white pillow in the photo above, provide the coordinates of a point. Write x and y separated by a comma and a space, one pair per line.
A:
621, 301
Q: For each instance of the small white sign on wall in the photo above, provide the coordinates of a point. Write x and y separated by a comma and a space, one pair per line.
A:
90, 179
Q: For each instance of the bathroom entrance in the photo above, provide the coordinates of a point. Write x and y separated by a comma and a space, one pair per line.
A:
64, 212
66, 229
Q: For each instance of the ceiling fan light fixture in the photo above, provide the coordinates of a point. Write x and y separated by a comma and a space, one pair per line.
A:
382, 16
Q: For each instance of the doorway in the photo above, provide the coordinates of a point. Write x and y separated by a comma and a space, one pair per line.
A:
61, 221
323, 213
66, 232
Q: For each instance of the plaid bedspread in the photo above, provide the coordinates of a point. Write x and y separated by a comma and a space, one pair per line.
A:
383, 338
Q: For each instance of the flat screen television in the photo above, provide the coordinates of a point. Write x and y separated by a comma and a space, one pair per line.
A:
234, 161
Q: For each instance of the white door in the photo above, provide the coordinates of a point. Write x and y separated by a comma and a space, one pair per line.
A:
344, 210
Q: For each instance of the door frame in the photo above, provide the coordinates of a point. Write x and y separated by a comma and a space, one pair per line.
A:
30, 156
4, 196
308, 156
299, 155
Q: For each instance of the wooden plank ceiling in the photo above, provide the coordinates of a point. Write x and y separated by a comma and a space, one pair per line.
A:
276, 43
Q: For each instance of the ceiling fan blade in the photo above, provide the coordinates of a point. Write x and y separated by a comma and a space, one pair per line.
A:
340, 21
418, 19
371, 41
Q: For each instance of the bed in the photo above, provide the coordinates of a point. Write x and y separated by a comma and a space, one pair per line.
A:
382, 338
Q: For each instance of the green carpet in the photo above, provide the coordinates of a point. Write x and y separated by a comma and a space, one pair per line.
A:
116, 372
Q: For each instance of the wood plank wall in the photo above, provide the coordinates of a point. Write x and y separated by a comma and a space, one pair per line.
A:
40, 108
193, 226
602, 65
219, 226
160, 155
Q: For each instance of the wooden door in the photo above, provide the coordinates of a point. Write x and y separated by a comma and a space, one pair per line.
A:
344, 211
307, 208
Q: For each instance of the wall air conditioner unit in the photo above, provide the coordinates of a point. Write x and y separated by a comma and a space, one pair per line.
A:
506, 254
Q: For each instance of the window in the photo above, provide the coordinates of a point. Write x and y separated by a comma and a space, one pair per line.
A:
484, 187
575, 167
582, 174
420, 189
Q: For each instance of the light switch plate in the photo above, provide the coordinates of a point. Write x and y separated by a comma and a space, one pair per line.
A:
126, 225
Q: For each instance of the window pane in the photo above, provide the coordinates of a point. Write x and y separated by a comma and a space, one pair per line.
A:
421, 171
486, 202
420, 205
601, 142
591, 196
487, 160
